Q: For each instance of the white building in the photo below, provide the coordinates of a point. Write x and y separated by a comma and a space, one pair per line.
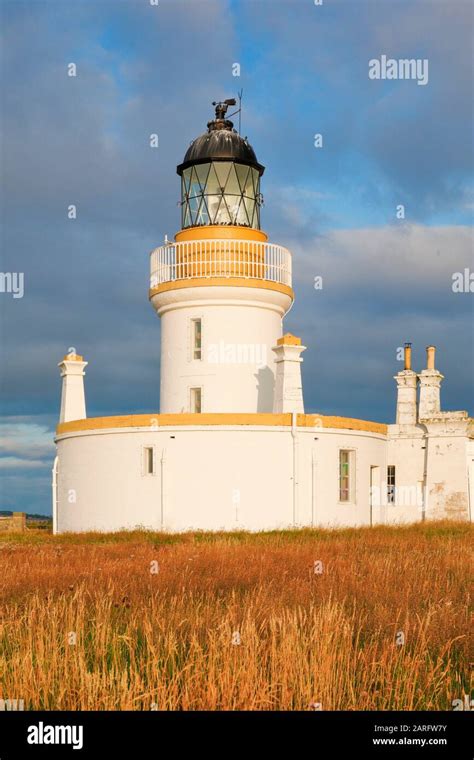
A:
232, 447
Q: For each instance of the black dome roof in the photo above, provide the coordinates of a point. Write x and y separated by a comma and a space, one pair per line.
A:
220, 143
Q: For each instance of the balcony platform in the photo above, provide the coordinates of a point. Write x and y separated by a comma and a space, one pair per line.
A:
223, 259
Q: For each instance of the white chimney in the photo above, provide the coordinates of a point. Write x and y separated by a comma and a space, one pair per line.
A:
73, 402
288, 395
406, 391
430, 383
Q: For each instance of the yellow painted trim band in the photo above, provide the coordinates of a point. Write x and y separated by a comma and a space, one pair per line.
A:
220, 232
234, 282
267, 420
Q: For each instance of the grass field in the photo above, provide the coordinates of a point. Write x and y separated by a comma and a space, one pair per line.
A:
358, 619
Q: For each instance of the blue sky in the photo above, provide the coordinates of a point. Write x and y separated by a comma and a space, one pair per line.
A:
146, 69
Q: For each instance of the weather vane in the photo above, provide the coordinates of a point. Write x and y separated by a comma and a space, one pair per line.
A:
222, 106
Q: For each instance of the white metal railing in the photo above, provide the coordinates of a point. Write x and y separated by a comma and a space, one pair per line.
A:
220, 258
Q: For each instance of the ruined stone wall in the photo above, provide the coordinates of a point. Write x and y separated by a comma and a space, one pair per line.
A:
16, 523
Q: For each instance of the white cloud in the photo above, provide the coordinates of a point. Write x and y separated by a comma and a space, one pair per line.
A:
24, 442
409, 255
13, 463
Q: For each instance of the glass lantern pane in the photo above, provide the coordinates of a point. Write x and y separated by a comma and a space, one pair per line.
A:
222, 169
233, 204
250, 206
187, 216
213, 202
252, 212
256, 217
255, 181
212, 184
186, 179
232, 186
194, 186
242, 175
243, 218
222, 214
249, 188
193, 209
203, 214
202, 170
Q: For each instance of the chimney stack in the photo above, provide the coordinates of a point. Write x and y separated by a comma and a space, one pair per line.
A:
73, 402
406, 391
430, 383
288, 394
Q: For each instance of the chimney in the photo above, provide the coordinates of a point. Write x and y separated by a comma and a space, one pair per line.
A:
288, 394
407, 355
430, 383
73, 402
430, 357
406, 391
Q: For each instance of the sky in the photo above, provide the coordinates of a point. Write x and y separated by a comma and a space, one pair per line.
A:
143, 69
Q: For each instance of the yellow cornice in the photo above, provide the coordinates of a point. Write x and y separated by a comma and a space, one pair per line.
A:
73, 358
234, 282
220, 232
289, 340
158, 421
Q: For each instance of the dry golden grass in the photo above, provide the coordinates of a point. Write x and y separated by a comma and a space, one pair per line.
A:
165, 640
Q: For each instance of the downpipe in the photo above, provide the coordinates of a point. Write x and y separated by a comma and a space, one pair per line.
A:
295, 464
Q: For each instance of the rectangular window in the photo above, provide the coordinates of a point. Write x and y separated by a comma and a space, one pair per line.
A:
346, 475
148, 460
391, 484
196, 400
196, 338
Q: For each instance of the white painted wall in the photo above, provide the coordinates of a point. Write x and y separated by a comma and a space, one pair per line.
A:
406, 450
213, 478
447, 471
470, 476
237, 323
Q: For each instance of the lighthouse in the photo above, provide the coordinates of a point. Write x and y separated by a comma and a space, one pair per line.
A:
221, 289
232, 446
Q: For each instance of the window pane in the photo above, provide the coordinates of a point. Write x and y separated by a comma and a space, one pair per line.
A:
249, 206
213, 202
236, 209
186, 179
203, 214
202, 170
222, 169
196, 400
148, 460
213, 185
256, 217
391, 484
187, 221
244, 177
344, 476
232, 187
196, 323
194, 187
221, 214
254, 182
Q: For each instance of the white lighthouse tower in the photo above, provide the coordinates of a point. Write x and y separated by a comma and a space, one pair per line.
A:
221, 289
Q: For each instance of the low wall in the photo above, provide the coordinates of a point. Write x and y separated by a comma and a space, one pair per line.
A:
16, 523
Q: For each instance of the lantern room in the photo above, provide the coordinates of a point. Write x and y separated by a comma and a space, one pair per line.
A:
220, 177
